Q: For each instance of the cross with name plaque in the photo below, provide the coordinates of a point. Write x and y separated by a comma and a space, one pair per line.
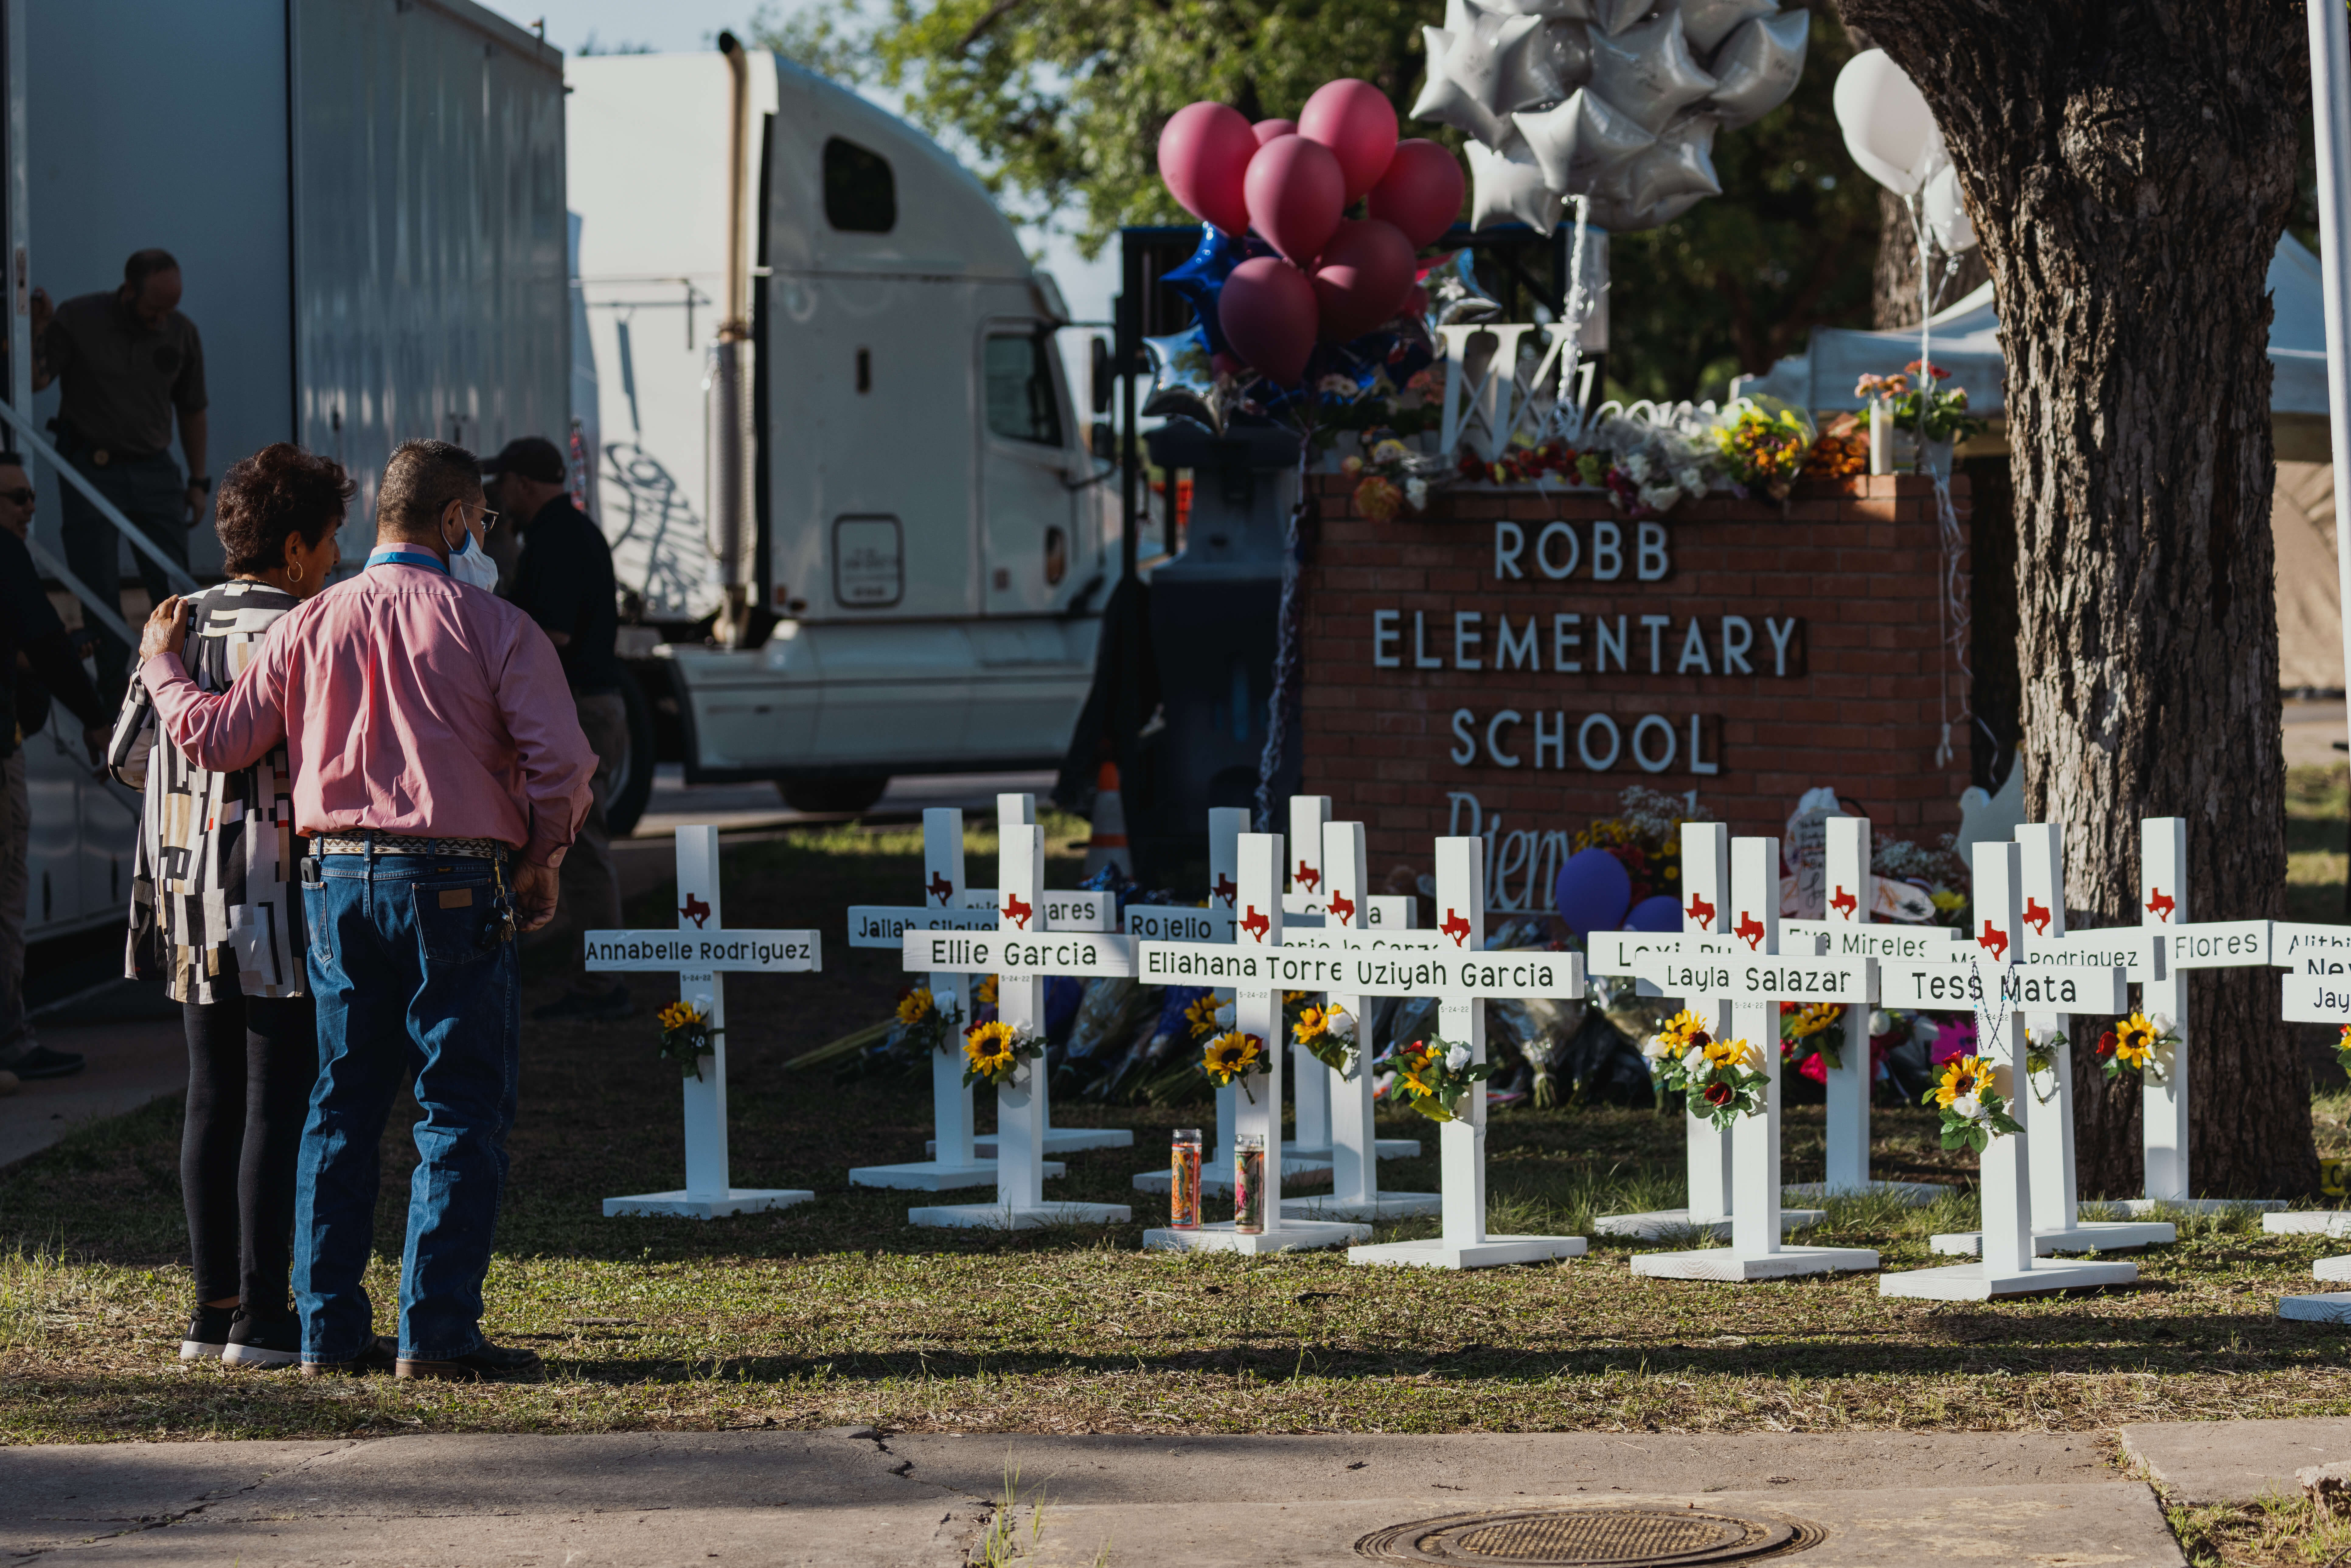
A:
1753, 983
2105, 962
1992, 980
1019, 956
949, 903
700, 952
1461, 977
1706, 930
2317, 989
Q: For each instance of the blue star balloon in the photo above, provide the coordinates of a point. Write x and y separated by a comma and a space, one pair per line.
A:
1201, 279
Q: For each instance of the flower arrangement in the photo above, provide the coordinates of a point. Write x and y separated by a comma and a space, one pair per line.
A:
686, 1037
1723, 1074
2141, 1043
1841, 451
1328, 1034
1387, 482
1520, 462
993, 1053
1646, 836
2041, 1049
1974, 1110
1230, 1057
1920, 407
1207, 1016
1435, 1073
1764, 447
1810, 1036
923, 1023
2343, 1049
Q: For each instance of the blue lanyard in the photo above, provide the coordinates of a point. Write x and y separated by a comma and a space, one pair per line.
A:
392, 555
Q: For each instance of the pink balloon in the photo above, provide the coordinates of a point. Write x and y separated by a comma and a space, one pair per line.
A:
1420, 193
1356, 120
1296, 193
1364, 274
1267, 313
1267, 129
1204, 153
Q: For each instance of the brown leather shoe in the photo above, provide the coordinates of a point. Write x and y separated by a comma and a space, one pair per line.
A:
485, 1363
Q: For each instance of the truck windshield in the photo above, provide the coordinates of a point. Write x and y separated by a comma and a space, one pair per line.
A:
1019, 389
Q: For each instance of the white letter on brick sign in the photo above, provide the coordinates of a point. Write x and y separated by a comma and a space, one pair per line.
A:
1780, 631
1734, 647
1384, 637
1694, 651
1464, 724
1543, 551
1562, 640
1550, 742
1651, 563
1515, 653
1494, 726
1509, 540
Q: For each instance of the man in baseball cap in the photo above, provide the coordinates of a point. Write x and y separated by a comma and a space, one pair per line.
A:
565, 584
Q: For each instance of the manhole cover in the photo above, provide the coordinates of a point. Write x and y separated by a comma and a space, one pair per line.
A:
1573, 1537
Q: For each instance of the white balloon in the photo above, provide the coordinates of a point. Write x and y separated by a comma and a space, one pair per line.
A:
1510, 184
1946, 214
1759, 67
1889, 128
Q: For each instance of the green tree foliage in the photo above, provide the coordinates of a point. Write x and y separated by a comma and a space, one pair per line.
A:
1059, 103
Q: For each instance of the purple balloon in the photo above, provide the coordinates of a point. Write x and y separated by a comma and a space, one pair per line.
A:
1658, 914
1593, 892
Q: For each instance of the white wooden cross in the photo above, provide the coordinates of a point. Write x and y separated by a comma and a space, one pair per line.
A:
1260, 969
2317, 985
1461, 977
699, 952
1999, 988
1306, 895
2106, 961
1019, 955
1846, 931
1754, 983
2187, 944
1705, 930
949, 903
1356, 1148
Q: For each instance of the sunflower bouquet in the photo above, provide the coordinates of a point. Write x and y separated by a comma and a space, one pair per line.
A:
1974, 1110
1230, 1057
993, 1053
2343, 1049
1433, 1074
1809, 1030
925, 1026
1720, 1073
1328, 1034
687, 1036
2141, 1043
1207, 1016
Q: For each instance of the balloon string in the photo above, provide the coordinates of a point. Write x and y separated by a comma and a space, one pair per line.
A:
1953, 612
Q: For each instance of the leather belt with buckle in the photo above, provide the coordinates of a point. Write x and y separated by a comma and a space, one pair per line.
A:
403, 844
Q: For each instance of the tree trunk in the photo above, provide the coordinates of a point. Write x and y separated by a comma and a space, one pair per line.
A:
2129, 165
1894, 285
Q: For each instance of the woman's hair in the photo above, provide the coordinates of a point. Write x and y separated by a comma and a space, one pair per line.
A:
279, 490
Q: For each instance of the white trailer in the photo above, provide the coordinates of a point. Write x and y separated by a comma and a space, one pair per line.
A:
366, 200
854, 513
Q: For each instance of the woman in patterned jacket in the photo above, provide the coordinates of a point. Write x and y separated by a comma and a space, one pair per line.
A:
216, 913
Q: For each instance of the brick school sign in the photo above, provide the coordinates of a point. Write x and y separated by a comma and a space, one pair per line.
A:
1506, 664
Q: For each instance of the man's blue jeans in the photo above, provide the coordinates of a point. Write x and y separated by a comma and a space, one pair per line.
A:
416, 981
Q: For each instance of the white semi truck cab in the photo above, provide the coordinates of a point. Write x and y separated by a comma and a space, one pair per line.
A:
857, 528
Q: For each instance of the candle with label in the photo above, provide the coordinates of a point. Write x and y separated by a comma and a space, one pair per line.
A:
1183, 1180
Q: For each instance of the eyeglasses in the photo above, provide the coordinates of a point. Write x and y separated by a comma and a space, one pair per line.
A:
22, 496
490, 518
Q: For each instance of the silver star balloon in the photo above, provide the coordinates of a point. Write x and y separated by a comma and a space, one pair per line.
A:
1709, 22
1582, 142
1567, 54
1456, 298
1757, 68
1448, 100
1680, 162
1615, 15
1183, 381
1568, 10
1510, 184
1648, 71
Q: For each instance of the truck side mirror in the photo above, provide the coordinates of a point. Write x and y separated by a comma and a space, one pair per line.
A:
1099, 378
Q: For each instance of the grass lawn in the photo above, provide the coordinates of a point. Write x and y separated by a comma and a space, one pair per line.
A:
837, 1312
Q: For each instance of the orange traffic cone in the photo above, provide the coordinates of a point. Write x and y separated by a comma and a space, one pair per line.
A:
1108, 845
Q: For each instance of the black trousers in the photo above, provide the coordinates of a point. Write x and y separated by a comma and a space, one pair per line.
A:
251, 1064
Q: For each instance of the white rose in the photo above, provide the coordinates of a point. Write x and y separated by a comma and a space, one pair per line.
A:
2162, 1023
1691, 481
1342, 1024
1879, 1022
1655, 1048
1416, 493
1968, 1106
1695, 1062
1457, 1057
1225, 1016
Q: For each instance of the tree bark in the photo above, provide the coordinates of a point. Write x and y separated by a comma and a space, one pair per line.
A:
1894, 285
2129, 165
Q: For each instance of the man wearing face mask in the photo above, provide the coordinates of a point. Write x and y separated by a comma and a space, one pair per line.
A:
441, 776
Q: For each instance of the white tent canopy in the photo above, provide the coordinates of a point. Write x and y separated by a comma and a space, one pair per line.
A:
1967, 343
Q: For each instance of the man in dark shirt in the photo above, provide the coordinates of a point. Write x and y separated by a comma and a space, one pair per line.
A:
129, 362
28, 626
565, 584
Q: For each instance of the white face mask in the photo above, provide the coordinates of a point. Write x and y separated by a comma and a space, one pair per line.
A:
470, 563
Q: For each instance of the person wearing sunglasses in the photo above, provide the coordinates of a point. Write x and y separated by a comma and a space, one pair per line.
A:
216, 915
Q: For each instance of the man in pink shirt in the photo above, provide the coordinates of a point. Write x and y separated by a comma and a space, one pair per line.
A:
440, 774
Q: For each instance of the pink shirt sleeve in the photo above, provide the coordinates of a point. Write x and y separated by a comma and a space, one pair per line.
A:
225, 730
558, 765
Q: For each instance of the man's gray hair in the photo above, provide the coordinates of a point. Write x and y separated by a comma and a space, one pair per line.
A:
419, 483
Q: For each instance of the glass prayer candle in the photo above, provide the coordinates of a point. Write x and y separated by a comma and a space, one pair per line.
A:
1184, 1181
1249, 1182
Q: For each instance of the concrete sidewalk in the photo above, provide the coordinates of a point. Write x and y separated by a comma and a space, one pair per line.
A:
849, 1499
